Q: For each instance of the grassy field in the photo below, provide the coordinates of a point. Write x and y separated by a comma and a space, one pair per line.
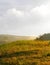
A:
25, 52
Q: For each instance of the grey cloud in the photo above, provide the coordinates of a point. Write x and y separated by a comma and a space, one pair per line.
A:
27, 24
19, 4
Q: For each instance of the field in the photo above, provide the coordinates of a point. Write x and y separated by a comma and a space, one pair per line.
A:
25, 52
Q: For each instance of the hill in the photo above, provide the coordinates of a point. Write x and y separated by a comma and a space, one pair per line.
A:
11, 38
25, 52
44, 37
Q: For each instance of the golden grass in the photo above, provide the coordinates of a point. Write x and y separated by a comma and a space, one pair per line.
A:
25, 52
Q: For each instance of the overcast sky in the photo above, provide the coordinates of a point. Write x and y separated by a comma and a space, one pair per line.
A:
24, 17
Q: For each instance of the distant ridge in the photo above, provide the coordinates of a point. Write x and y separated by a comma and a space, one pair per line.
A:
11, 38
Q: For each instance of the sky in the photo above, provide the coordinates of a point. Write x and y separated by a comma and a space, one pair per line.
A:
24, 17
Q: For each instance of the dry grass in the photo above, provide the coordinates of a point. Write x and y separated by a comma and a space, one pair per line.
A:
25, 53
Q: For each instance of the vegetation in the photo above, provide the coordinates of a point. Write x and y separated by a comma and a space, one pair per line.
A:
25, 52
44, 37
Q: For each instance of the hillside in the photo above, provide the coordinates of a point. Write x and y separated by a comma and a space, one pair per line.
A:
11, 38
22, 50
25, 52
44, 37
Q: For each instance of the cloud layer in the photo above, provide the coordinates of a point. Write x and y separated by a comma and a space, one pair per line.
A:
24, 17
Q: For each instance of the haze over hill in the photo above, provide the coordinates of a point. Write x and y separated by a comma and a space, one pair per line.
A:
4, 38
11, 38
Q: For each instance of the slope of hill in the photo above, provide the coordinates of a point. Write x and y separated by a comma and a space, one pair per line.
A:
11, 38
44, 37
25, 52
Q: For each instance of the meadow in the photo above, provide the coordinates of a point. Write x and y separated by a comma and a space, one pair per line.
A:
25, 52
